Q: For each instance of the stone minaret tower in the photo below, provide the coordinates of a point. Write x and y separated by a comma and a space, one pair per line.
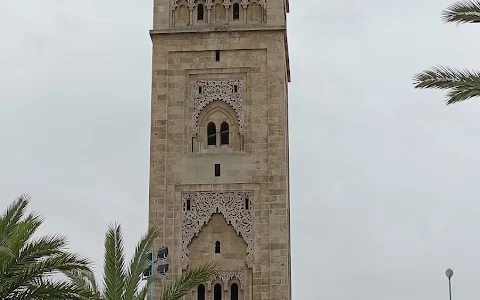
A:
219, 173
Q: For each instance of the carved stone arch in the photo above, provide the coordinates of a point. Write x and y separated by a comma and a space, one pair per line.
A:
227, 278
200, 5
211, 108
237, 3
218, 12
254, 12
230, 204
230, 91
182, 14
218, 112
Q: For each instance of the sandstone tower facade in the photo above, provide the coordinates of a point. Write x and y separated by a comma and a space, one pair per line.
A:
219, 173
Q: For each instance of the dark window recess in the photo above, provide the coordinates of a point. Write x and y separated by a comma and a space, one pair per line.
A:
217, 170
217, 247
236, 12
211, 134
246, 203
217, 292
188, 205
201, 292
234, 292
235, 88
217, 55
200, 11
224, 134
199, 89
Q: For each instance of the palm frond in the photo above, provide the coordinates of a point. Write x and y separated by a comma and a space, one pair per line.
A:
12, 215
114, 269
85, 280
24, 230
142, 293
139, 263
463, 84
465, 11
50, 265
188, 281
51, 290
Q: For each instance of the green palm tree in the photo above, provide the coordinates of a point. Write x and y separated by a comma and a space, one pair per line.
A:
124, 283
27, 264
462, 84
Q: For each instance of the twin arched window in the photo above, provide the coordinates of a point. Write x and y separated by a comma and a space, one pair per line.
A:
212, 134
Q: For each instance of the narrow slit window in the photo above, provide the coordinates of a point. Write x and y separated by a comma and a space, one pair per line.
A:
224, 134
236, 12
217, 55
200, 12
217, 247
211, 134
235, 88
234, 291
199, 89
188, 205
247, 203
217, 170
201, 292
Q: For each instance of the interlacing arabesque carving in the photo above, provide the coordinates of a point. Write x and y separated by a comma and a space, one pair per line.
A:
230, 91
226, 276
198, 208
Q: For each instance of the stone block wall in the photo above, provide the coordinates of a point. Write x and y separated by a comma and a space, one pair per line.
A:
259, 59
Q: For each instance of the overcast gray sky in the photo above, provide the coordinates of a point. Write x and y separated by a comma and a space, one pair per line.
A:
384, 178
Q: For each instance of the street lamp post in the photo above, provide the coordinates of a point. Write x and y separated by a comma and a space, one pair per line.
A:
162, 254
449, 274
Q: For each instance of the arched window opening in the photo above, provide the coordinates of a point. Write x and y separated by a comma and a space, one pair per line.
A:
200, 11
217, 292
224, 134
217, 247
211, 134
236, 12
234, 292
201, 292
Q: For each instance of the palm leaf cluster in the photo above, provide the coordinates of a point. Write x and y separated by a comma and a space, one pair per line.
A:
122, 282
462, 84
27, 264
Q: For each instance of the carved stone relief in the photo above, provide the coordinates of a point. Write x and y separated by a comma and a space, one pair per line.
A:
230, 91
198, 208
226, 276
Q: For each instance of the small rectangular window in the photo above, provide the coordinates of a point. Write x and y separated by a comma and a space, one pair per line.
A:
246, 203
235, 88
217, 170
188, 204
217, 55
199, 89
